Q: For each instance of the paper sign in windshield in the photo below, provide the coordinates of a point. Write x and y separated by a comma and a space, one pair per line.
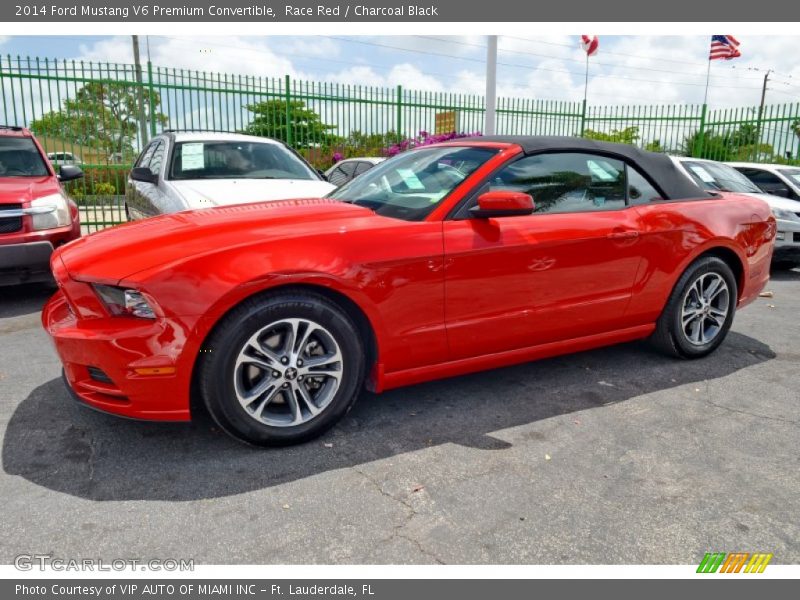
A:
704, 175
192, 157
410, 179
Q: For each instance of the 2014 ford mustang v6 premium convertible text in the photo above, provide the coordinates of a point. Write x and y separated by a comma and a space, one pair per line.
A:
444, 260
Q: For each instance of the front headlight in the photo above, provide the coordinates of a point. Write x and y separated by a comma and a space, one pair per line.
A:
49, 212
124, 302
786, 215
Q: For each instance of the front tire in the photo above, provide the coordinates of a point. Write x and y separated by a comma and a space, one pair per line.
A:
700, 310
281, 369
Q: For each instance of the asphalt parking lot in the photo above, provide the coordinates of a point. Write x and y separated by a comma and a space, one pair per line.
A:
617, 455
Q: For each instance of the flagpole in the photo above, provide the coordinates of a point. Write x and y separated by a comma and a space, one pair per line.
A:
708, 79
586, 82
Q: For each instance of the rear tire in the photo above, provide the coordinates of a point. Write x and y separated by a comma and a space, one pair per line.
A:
281, 369
700, 310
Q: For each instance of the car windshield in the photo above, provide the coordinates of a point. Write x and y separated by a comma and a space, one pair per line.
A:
410, 185
19, 157
792, 174
720, 178
237, 160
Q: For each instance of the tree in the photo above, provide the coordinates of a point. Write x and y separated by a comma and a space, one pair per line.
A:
104, 116
740, 144
293, 123
629, 135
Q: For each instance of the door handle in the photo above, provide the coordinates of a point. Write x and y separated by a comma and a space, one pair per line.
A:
623, 235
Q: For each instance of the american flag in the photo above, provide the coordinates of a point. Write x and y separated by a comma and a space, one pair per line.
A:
724, 46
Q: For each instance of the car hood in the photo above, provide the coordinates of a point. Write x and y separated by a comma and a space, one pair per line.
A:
18, 190
205, 193
114, 254
778, 202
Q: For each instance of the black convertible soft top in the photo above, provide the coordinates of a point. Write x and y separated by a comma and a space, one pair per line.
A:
658, 167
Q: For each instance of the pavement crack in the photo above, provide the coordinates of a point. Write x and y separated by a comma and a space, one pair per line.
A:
751, 414
398, 530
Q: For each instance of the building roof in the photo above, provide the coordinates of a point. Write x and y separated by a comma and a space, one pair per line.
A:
658, 167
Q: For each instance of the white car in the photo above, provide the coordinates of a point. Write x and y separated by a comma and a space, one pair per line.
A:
350, 168
181, 171
778, 180
58, 159
720, 177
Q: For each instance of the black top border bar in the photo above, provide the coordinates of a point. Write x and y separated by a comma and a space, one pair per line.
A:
484, 11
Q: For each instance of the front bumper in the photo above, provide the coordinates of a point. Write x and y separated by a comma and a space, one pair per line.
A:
104, 360
787, 242
24, 263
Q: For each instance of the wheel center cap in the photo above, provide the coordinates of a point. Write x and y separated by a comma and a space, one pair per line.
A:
290, 373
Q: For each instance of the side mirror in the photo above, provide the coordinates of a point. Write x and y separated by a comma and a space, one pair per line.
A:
143, 174
69, 173
502, 204
321, 173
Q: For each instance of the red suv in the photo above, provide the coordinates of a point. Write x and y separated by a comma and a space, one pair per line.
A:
36, 215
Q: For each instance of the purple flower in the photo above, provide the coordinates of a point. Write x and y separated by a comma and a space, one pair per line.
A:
337, 156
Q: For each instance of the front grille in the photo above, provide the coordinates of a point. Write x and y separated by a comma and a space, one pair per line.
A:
10, 224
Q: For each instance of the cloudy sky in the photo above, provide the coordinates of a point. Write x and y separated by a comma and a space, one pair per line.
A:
628, 69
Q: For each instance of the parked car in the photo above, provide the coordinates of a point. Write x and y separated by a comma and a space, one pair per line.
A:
58, 159
715, 176
184, 170
443, 260
778, 180
350, 168
36, 215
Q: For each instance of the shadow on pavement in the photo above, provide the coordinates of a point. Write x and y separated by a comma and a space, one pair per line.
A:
55, 443
785, 275
16, 300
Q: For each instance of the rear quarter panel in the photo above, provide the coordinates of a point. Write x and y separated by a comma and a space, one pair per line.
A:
674, 234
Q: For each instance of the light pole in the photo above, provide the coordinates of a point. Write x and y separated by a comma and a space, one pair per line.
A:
491, 86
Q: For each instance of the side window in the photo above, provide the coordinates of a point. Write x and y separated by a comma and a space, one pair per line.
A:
760, 177
157, 159
144, 157
337, 177
566, 181
640, 191
348, 168
363, 167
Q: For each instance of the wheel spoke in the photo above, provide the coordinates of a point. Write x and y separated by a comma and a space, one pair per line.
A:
718, 316
711, 290
304, 338
694, 333
269, 397
294, 407
266, 385
299, 388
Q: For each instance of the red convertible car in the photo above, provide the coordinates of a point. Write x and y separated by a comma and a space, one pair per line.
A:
444, 260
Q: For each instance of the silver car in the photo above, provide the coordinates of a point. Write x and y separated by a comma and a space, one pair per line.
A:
716, 176
180, 171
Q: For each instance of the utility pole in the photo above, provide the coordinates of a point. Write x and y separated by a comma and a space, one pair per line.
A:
491, 86
761, 106
139, 92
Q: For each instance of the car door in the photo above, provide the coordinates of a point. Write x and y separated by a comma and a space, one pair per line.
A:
564, 271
